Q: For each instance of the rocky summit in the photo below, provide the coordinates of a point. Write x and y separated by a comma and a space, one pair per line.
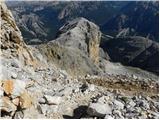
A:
71, 76
76, 48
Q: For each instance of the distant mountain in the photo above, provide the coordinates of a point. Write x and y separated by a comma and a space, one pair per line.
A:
133, 51
135, 18
40, 21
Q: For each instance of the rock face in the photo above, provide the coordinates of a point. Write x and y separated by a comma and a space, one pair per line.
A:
82, 34
13, 44
135, 51
76, 48
14, 52
74, 61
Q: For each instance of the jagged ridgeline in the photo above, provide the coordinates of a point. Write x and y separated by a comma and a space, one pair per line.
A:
40, 21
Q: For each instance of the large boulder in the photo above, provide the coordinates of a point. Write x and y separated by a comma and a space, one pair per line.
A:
99, 110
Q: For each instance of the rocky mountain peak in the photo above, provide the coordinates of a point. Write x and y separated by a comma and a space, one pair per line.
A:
82, 34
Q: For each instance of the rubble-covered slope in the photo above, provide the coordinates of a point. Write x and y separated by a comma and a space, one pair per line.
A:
41, 90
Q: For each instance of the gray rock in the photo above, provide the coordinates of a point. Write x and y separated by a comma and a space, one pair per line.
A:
132, 103
44, 109
91, 87
108, 117
53, 100
15, 64
134, 76
99, 110
1, 92
76, 90
66, 92
118, 114
118, 105
143, 104
41, 100
13, 75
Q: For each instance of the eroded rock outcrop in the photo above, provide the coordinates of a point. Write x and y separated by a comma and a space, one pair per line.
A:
11, 39
82, 34
76, 48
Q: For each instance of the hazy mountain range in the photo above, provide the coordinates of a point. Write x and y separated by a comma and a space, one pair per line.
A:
40, 21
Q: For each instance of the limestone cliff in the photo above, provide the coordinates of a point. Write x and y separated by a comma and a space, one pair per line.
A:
82, 34
76, 48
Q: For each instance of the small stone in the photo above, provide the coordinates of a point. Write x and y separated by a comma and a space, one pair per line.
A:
92, 87
76, 90
118, 105
53, 100
87, 76
13, 75
16, 101
132, 103
86, 92
99, 110
6, 105
44, 109
143, 104
101, 100
67, 91
143, 115
41, 100
118, 114
15, 64
108, 117
134, 76
64, 74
